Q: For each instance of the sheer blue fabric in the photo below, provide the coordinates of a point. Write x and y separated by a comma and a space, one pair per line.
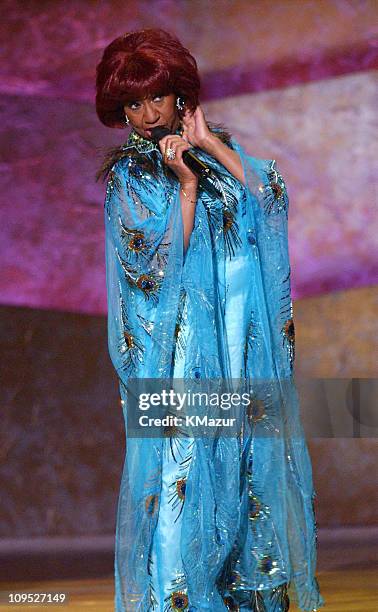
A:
224, 523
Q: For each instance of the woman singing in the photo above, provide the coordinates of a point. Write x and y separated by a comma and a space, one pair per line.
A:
198, 286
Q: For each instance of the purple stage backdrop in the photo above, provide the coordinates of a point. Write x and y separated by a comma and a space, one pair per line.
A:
293, 80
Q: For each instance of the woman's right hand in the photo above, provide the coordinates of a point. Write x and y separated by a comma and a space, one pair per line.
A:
178, 145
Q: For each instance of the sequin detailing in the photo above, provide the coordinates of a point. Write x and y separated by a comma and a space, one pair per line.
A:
109, 191
274, 193
274, 599
228, 220
252, 342
256, 601
137, 242
180, 488
255, 410
288, 332
234, 581
251, 238
179, 601
231, 232
148, 283
196, 372
267, 565
222, 215
151, 504
142, 145
177, 488
287, 326
178, 597
180, 325
170, 580
147, 325
130, 346
254, 506
134, 241
279, 598
231, 604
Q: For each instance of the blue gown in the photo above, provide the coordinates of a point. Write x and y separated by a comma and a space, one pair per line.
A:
222, 522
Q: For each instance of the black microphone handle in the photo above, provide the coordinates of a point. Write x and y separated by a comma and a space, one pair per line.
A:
196, 165
157, 133
207, 177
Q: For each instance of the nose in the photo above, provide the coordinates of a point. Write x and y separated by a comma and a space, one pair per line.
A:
151, 113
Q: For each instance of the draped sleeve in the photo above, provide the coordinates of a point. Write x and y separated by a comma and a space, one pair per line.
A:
282, 470
144, 255
143, 264
268, 205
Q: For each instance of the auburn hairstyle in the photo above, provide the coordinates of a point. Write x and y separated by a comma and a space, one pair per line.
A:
140, 64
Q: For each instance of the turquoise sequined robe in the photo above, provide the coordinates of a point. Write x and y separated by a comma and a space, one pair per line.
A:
208, 524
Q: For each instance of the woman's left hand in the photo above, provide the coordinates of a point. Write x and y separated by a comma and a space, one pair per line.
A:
195, 127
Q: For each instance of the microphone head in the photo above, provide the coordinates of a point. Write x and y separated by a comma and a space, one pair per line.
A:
158, 132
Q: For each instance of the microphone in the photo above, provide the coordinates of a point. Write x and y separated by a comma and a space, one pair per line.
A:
206, 175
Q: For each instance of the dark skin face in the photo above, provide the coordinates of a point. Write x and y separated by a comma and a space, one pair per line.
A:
151, 112
161, 110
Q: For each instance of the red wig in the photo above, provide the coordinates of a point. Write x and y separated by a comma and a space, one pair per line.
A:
140, 64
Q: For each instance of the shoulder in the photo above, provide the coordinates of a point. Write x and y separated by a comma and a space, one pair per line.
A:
132, 165
138, 181
126, 160
264, 181
265, 166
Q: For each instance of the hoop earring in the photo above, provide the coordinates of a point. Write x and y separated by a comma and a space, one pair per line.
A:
180, 103
127, 120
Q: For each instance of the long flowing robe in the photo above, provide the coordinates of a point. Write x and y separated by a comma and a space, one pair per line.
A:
220, 310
